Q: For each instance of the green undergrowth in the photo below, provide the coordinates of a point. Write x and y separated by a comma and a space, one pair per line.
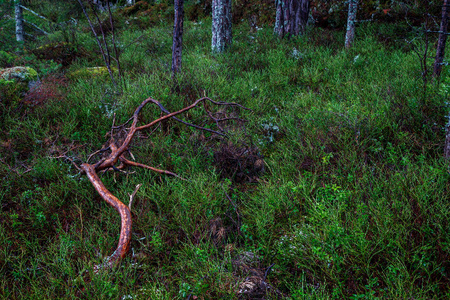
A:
352, 203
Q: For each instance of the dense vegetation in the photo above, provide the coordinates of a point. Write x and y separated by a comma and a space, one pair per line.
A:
352, 201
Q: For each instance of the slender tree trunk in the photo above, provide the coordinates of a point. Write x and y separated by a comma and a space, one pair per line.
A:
221, 25
291, 17
99, 5
350, 35
442, 39
447, 142
279, 19
177, 36
19, 21
438, 65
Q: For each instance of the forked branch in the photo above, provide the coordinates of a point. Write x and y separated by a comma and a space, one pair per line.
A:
118, 147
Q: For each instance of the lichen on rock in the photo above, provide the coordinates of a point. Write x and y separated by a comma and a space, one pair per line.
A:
19, 74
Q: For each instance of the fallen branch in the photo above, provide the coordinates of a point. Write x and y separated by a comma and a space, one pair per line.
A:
119, 143
35, 13
36, 27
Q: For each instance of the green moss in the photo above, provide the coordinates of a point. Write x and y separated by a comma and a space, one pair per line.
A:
90, 72
14, 83
19, 74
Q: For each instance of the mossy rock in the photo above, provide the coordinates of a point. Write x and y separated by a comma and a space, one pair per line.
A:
14, 83
91, 72
20, 74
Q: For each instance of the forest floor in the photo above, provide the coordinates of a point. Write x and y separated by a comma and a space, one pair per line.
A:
334, 187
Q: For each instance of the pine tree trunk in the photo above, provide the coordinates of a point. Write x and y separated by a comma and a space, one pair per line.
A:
440, 51
350, 35
221, 25
19, 21
177, 36
291, 17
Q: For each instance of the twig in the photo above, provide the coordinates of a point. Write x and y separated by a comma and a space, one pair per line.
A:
268, 271
136, 164
12, 169
133, 194
163, 109
114, 41
73, 163
98, 42
96, 152
99, 22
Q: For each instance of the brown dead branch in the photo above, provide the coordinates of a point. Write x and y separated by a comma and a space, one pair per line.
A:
119, 143
15, 170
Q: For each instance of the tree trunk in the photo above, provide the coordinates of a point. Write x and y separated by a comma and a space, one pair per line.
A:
447, 142
19, 21
177, 36
291, 17
99, 5
442, 39
350, 35
221, 25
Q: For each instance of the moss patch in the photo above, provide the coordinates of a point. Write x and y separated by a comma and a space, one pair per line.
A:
18, 74
91, 72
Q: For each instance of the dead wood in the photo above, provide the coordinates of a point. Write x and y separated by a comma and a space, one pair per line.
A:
118, 145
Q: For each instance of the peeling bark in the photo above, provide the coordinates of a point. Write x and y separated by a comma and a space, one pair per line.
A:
350, 34
19, 21
440, 51
291, 17
177, 45
125, 216
221, 25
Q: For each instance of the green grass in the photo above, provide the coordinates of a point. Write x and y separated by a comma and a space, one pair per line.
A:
353, 202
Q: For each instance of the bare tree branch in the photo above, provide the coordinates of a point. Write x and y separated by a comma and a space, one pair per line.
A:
120, 144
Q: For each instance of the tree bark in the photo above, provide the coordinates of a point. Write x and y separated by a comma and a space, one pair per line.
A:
19, 21
291, 17
447, 142
177, 36
221, 25
99, 5
350, 34
440, 51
